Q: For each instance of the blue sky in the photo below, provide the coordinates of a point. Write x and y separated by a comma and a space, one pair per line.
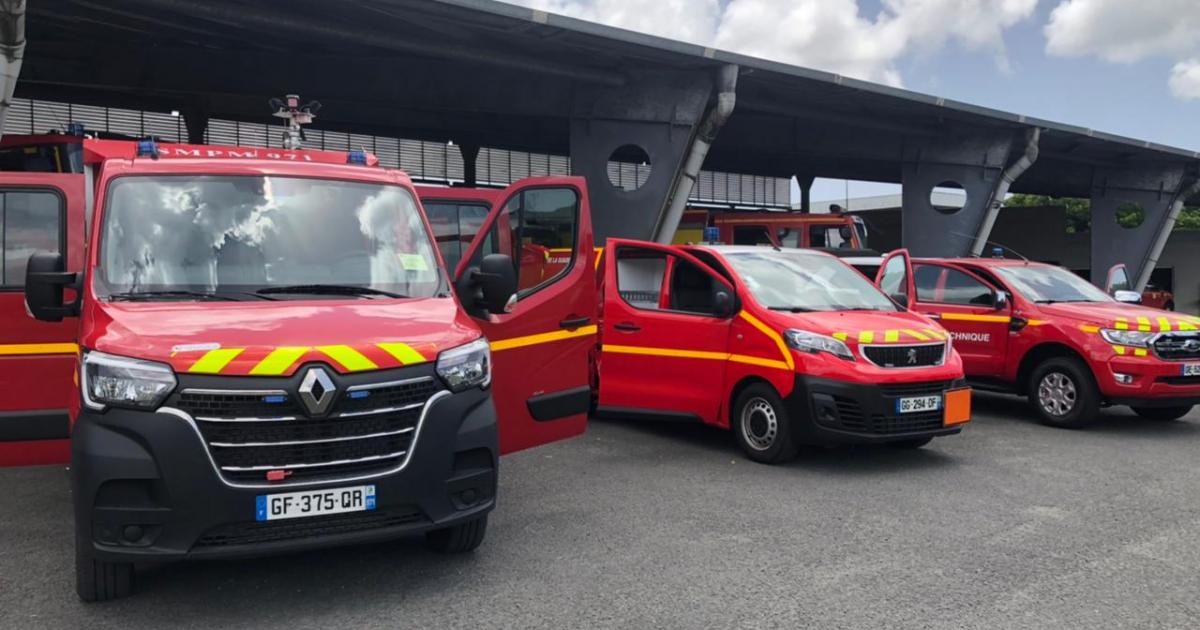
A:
1129, 67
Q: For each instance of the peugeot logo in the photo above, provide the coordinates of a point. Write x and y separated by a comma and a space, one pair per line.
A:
912, 356
317, 391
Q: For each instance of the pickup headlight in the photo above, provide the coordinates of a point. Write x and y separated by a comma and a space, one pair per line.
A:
108, 379
1135, 338
813, 343
466, 366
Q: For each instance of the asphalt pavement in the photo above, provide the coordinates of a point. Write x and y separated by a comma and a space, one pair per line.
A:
635, 525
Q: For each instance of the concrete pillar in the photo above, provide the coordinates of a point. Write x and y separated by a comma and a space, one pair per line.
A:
655, 111
1150, 189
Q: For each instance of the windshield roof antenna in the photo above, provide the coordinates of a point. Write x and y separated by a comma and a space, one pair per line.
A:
290, 109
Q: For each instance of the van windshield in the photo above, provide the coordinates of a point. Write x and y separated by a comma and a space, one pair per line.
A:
262, 237
796, 280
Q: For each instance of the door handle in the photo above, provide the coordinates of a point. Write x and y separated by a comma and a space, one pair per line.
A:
578, 322
933, 315
628, 327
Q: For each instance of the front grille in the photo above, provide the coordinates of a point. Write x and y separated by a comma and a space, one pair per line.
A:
369, 429
850, 414
927, 388
1178, 346
252, 532
907, 423
905, 356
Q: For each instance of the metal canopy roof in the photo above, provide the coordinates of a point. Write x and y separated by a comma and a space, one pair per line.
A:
501, 75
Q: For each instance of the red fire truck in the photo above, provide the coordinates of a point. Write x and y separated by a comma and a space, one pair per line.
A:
784, 347
259, 350
1044, 332
772, 227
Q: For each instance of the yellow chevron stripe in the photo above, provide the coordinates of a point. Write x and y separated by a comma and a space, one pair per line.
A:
890, 336
841, 336
1119, 349
936, 334
531, 340
38, 348
1089, 329
1121, 324
1164, 324
915, 335
214, 361
1141, 352
1186, 326
866, 336
278, 361
1143, 324
770, 332
348, 357
403, 353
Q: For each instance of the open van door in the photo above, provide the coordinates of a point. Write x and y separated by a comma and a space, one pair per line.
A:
895, 278
1118, 285
543, 342
39, 212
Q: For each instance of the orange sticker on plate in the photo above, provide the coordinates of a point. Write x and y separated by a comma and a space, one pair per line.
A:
958, 407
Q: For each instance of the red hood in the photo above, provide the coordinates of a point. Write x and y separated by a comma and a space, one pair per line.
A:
276, 338
881, 327
1111, 314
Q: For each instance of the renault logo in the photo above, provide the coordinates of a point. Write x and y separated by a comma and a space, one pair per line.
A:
912, 356
317, 391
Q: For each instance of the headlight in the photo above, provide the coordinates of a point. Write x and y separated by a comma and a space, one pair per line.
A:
805, 341
466, 366
123, 382
1136, 338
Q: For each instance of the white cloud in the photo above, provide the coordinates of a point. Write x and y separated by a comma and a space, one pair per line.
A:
828, 35
1185, 80
1126, 31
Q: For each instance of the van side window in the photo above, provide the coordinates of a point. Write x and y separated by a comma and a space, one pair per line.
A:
656, 281
951, 286
640, 277
751, 235
544, 222
926, 278
790, 237
692, 289
30, 222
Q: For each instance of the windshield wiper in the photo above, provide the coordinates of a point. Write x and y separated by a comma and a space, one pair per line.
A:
328, 289
791, 309
133, 296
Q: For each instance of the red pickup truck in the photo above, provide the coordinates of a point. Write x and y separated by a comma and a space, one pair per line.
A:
1044, 332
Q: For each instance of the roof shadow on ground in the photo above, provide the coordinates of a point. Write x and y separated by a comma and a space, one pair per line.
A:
1115, 421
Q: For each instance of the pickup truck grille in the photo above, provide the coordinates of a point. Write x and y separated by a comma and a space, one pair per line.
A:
369, 429
906, 356
1178, 346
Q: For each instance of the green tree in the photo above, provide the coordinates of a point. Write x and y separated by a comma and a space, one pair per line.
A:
1079, 212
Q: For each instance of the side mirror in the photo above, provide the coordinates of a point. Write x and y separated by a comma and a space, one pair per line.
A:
1000, 301
45, 282
1128, 297
900, 299
497, 282
724, 303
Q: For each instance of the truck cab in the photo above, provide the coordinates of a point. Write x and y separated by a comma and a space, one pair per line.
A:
777, 228
260, 350
784, 347
1042, 331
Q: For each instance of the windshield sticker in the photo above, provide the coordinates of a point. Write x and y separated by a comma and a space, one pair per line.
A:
413, 262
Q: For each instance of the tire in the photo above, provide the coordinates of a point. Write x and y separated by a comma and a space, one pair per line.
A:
1064, 394
761, 425
459, 538
98, 581
1163, 414
912, 444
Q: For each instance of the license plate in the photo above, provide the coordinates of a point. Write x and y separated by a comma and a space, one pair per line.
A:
272, 507
914, 404
1191, 369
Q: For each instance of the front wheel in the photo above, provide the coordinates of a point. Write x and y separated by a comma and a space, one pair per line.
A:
459, 538
97, 581
761, 425
1064, 394
1164, 414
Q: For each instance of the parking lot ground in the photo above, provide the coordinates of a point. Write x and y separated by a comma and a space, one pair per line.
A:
1009, 525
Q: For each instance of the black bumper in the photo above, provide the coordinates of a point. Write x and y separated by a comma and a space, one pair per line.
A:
145, 488
826, 412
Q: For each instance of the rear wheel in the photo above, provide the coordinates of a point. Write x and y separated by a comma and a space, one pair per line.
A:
761, 425
98, 581
910, 444
1162, 413
1064, 394
459, 538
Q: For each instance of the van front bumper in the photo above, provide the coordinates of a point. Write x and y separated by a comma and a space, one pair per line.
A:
146, 488
826, 412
